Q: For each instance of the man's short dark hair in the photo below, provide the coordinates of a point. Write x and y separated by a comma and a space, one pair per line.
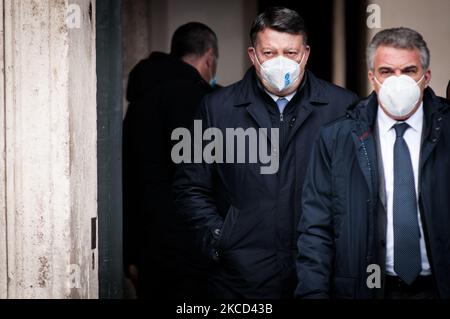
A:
280, 19
193, 38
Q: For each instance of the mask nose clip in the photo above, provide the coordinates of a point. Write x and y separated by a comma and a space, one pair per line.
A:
381, 84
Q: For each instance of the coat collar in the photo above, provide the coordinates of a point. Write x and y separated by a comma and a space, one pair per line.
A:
365, 112
364, 115
251, 96
248, 89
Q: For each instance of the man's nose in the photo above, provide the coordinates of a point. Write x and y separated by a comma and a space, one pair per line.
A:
398, 72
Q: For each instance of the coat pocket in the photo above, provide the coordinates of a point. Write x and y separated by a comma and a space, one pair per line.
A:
225, 240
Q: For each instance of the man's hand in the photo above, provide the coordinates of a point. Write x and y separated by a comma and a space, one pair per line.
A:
134, 275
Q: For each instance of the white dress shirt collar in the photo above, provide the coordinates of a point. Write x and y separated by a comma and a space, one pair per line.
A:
276, 98
386, 123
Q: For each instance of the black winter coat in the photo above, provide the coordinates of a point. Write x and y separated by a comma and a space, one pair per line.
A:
164, 94
244, 221
343, 229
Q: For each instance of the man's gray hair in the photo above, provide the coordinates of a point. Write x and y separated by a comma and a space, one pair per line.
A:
399, 38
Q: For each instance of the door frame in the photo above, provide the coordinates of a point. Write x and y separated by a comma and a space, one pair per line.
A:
109, 147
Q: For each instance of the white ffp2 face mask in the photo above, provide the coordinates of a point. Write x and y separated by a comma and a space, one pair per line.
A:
280, 72
399, 94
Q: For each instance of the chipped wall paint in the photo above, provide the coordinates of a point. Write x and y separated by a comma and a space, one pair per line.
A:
3, 260
83, 148
50, 167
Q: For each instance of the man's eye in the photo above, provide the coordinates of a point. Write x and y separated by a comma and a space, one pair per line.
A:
267, 53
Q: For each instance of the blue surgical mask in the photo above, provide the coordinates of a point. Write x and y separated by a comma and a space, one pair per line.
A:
213, 82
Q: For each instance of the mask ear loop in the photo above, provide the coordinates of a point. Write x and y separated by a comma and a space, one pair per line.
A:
302, 70
421, 79
213, 80
257, 60
303, 57
376, 80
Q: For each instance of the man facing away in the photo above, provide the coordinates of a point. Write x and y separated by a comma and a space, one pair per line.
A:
164, 92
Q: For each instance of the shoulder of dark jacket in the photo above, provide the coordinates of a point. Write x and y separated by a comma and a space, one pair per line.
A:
329, 91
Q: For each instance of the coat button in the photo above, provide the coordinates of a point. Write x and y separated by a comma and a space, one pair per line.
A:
438, 129
440, 119
215, 256
217, 232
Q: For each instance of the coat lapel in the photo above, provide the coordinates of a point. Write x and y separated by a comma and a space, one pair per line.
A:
365, 146
259, 115
250, 99
303, 112
366, 156
381, 178
432, 126
310, 98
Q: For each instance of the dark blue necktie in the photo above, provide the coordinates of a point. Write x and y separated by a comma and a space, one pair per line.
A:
281, 103
407, 260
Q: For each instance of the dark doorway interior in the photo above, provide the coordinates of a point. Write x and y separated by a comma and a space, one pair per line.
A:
356, 43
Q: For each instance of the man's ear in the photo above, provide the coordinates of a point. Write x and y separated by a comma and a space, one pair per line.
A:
371, 77
307, 53
210, 56
251, 54
427, 78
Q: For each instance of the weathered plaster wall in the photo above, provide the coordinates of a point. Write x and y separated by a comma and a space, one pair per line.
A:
50, 166
83, 148
3, 260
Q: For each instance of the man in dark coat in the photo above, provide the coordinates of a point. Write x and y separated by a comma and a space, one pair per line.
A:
244, 217
376, 200
164, 92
